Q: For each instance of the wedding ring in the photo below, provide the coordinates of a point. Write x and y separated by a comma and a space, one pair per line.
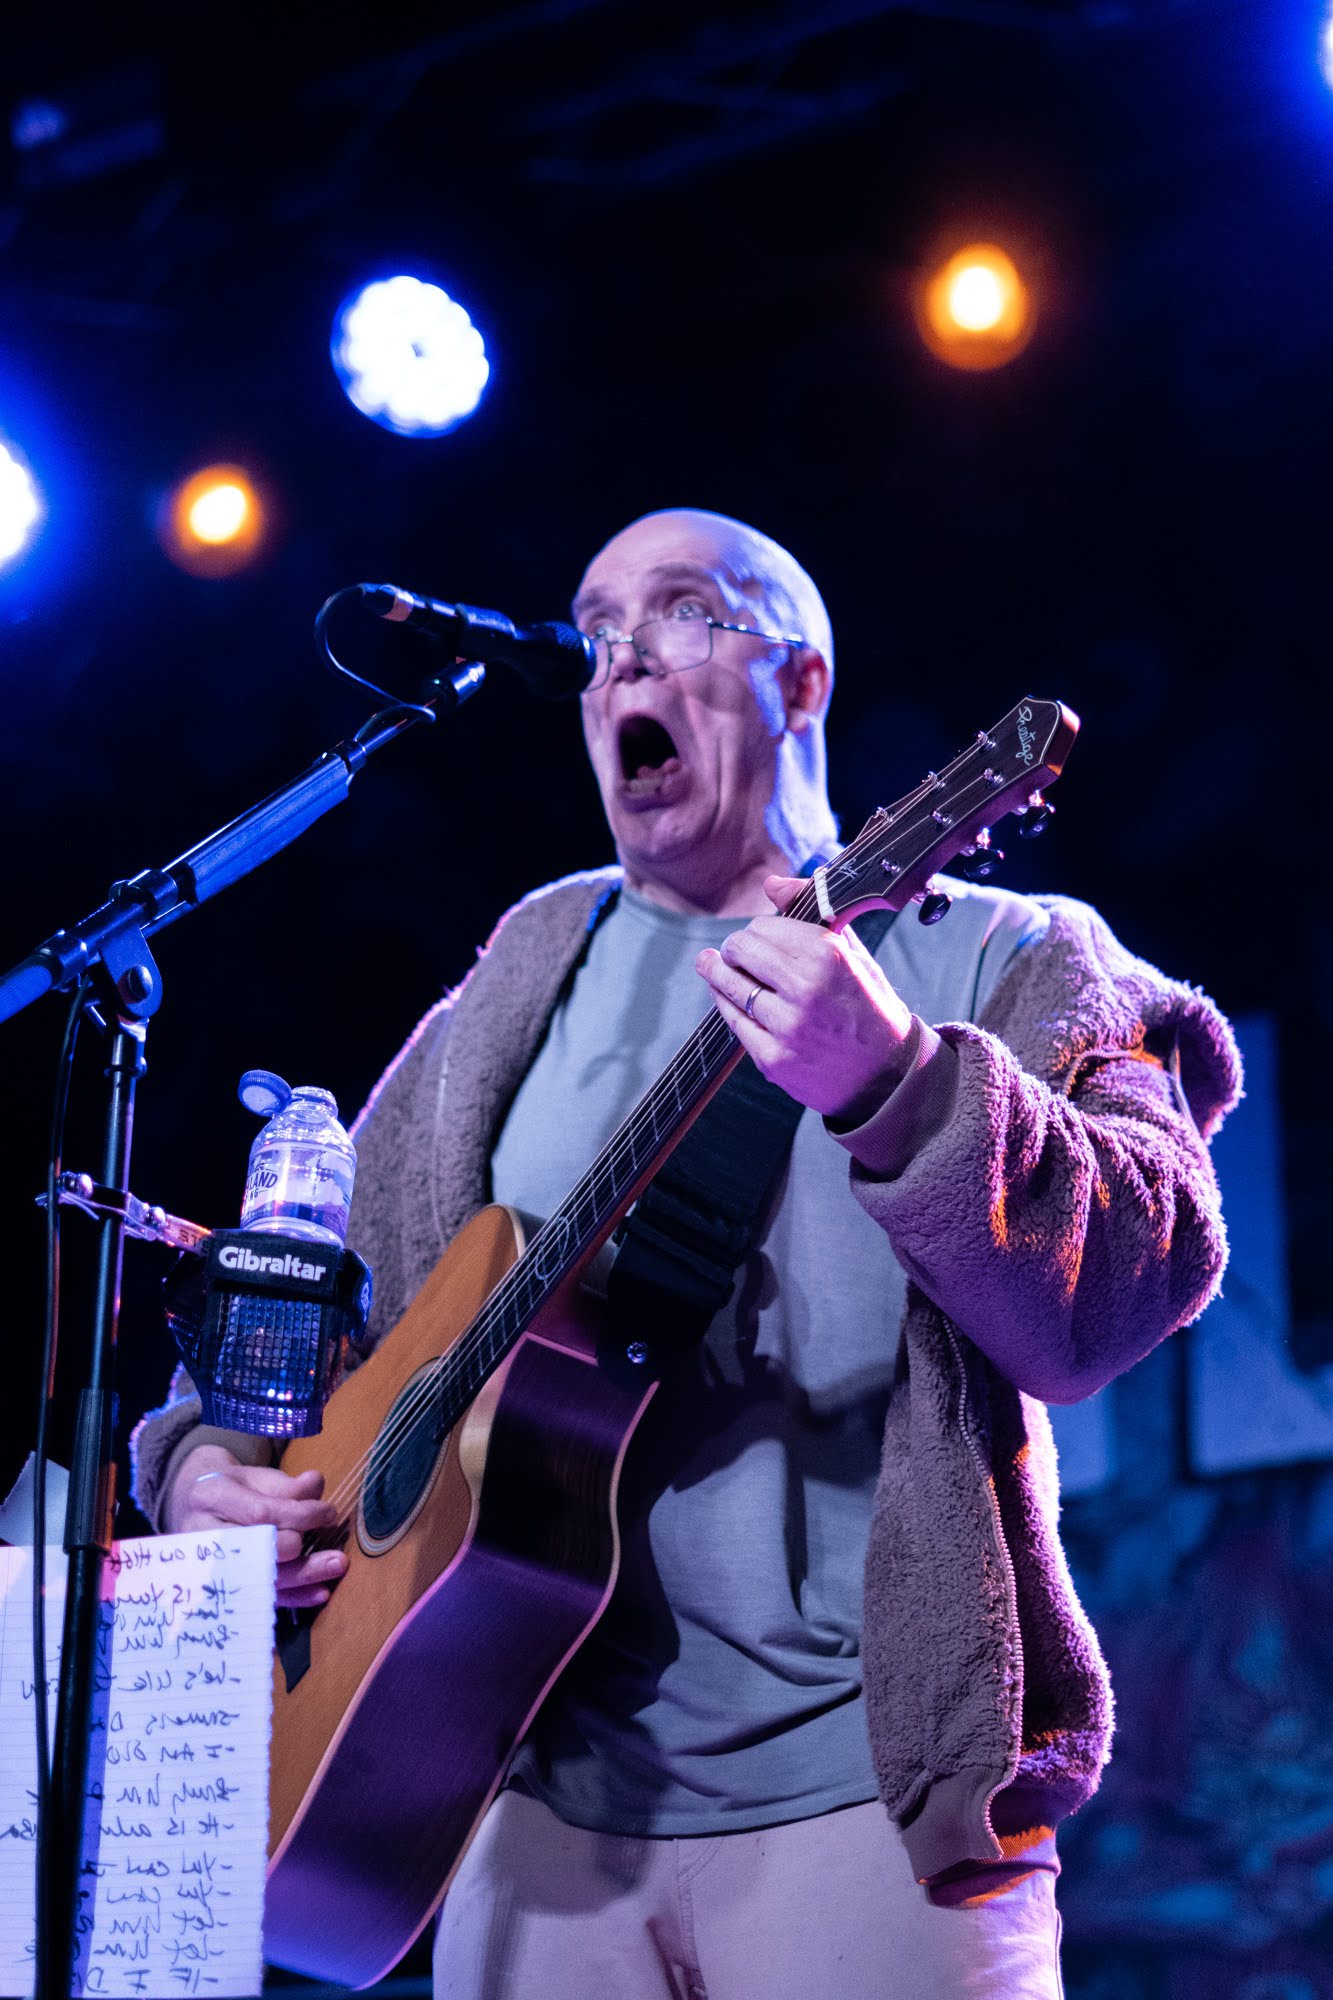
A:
754, 995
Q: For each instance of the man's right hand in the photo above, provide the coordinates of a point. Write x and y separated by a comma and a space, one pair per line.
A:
211, 1489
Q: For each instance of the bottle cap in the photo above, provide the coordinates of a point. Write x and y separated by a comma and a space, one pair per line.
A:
264, 1093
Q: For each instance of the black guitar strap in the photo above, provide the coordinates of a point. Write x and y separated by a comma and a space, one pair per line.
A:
701, 1215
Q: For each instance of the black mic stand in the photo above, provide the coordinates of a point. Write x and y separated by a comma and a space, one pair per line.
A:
112, 943
88, 1533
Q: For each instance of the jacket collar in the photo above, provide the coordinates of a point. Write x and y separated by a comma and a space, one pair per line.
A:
500, 1016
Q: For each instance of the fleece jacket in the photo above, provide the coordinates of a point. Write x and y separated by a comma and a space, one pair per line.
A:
1044, 1180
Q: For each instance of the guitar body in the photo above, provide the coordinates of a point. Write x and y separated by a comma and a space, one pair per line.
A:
475, 1573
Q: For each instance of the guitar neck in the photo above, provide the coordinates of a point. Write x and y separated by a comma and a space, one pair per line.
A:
633, 1154
889, 862
571, 1237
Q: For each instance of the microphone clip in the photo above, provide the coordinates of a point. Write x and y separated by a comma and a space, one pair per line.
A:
142, 1219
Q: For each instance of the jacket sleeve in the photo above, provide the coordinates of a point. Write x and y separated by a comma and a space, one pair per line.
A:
1066, 1226
164, 1436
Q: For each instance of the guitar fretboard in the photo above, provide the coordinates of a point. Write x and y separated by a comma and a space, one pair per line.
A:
883, 866
627, 1162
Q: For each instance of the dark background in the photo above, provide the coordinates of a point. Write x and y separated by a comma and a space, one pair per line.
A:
690, 236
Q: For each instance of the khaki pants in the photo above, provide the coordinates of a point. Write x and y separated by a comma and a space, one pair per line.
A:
819, 1909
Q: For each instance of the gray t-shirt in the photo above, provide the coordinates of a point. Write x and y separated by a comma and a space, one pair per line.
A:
722, 1688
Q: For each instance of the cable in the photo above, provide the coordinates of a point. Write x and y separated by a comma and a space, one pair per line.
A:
50, 1343
349, 674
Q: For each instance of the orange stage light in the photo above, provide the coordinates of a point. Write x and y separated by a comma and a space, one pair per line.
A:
212, 524
974, 310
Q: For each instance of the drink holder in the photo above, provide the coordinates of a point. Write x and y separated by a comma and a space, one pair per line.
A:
263, 1322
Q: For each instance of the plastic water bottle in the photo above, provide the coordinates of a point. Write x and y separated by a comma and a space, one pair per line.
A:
302, 1165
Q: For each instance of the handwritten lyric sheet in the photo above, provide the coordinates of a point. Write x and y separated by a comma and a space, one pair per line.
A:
172, 1890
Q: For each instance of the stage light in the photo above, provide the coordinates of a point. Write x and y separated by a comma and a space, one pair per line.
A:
212, 524
976, 299
1326, 47
409, 357
974, 310
20, 504
219, 514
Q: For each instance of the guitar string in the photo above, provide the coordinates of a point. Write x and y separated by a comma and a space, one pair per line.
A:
469, 1354
465, 1353
451, 1369
709, 1042
450, 1372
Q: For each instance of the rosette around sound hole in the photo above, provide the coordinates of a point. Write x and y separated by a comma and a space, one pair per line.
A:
403, 1463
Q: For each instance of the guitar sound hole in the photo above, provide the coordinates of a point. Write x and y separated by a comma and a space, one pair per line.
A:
402, 1463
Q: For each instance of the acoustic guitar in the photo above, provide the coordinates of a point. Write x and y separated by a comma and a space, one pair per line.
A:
474, 1460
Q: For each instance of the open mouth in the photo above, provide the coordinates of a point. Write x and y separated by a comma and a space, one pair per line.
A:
648, 755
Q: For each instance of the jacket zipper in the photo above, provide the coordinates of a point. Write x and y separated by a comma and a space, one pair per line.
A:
1002, 1547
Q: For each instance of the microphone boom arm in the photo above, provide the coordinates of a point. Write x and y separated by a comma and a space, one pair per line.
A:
114, 935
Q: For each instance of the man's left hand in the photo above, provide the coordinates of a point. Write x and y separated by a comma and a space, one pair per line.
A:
824, 1024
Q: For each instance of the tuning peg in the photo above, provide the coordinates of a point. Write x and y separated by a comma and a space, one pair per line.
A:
933, 907
979, 859
1036, 819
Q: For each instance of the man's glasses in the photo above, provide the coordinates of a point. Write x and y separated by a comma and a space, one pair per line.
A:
671, 645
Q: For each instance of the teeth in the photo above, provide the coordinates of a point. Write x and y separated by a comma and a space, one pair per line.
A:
650, 777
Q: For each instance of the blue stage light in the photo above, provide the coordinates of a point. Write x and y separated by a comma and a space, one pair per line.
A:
37, 123
409, 357
1326, 46
20, 504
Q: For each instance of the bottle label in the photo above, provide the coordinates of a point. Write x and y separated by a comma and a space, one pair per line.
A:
304, 1189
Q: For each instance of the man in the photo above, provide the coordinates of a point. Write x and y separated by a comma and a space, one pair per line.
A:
999, 1194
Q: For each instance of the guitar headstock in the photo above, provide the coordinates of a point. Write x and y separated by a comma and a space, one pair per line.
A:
950, 813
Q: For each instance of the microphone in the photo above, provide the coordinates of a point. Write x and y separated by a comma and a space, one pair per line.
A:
554, 659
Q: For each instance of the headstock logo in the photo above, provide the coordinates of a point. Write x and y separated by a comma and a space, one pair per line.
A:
1027, 736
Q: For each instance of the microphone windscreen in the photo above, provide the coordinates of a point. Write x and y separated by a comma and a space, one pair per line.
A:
556, 660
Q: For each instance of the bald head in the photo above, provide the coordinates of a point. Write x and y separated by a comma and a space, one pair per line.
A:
758, 570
